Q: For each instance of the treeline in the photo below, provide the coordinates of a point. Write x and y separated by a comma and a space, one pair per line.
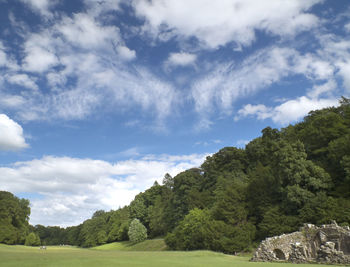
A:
237, 197
14, 216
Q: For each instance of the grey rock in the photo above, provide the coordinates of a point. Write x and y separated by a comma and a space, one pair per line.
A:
326, 244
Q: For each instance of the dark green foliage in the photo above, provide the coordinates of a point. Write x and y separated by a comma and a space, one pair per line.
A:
118, 225
194, 232
14, 215
275, 222
51, 235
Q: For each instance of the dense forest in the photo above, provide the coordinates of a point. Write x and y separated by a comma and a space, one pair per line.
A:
236, 198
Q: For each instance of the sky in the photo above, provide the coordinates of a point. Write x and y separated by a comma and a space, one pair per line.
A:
99, 99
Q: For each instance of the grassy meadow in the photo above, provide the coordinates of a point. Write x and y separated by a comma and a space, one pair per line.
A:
122, 254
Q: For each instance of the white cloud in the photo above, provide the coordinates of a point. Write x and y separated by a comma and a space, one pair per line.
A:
86, 32
11, 101
41, 6
125, 53
22, 80
216, 23
345, 73
323, 89
288, 112
84, 64
226, 83
347, 27
11, 134
260, 111
83, 59
39, 59
71, 189
181, 59
3, 58
294, 110
217, 90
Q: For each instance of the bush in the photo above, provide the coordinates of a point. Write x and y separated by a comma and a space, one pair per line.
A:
137, 231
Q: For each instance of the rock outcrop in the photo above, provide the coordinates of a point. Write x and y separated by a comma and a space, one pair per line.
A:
326, 244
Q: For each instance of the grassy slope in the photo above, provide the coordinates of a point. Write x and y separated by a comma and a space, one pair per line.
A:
148, 245
70, 256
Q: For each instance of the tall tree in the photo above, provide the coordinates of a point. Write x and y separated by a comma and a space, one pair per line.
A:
14, 216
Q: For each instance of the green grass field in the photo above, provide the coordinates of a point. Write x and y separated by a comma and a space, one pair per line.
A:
111, 255
148, 245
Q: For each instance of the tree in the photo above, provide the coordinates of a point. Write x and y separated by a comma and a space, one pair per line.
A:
193, 232
137, 231
300, 179
138, 208
32, 240
168, 181
14, 216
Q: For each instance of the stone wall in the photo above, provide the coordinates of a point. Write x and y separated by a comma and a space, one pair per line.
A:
327, 244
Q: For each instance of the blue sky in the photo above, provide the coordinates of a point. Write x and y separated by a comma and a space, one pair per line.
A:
98, 99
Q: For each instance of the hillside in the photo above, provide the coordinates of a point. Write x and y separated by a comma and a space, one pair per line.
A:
147, 245
237, 197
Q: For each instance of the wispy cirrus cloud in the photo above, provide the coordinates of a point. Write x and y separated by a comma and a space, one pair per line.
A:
82, 62
84, 59
218, 90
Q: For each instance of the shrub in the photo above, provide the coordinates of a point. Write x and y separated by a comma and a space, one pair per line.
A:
137, 231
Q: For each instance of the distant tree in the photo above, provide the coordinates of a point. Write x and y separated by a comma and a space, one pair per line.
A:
168, 181
137, 231
101, 237
32, 240
138, 208
98, 213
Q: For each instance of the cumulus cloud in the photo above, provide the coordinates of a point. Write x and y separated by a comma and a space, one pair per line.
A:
288, 112
125, 53
216, 23
71, 189
260, 111
11, 134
